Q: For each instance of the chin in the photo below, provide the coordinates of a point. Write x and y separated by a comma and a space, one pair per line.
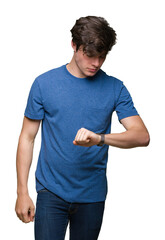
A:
90, 74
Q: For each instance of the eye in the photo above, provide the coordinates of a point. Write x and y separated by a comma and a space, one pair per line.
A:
103, 57
89, 55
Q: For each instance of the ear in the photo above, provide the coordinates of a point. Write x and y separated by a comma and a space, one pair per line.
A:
73, 46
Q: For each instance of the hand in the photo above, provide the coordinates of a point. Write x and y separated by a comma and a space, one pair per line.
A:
86, 138
24, 208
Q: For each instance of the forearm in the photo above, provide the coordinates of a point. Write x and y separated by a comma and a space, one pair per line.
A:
23, 163
128, 139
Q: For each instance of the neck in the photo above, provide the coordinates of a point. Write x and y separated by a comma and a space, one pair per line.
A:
73, 69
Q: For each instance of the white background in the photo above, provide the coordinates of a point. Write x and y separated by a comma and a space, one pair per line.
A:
35, 37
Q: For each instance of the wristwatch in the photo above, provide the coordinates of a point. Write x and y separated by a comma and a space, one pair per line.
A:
101, 143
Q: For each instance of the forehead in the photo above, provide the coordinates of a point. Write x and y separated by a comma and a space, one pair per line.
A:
92, 53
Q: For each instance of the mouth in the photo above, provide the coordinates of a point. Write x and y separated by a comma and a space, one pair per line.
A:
93, 70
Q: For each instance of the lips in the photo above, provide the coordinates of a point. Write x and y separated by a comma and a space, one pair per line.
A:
92, 69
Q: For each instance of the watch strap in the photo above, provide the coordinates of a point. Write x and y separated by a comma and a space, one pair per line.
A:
101, 143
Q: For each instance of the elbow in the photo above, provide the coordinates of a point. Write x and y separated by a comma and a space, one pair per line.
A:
145, 140
26, 138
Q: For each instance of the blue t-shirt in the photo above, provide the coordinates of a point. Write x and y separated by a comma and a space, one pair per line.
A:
65, 104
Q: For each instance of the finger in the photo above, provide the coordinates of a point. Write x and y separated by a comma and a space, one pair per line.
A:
31, 214
19, 216
22, 216
78, 134
25, 217
86, 137
18, 212
74, 142
82, 141
81, 136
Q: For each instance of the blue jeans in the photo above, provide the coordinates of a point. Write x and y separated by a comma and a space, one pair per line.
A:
53, 215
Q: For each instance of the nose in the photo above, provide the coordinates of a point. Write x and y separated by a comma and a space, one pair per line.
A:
96, 61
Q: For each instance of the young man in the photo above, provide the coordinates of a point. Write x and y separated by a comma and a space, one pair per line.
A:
75, 103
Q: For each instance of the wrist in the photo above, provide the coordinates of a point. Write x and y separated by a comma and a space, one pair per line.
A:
101, 139
98, 138
21, 192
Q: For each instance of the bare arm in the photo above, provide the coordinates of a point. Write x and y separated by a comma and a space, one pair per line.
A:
24, 205
136, 134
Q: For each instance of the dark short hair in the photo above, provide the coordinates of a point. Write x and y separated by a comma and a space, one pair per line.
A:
94, 34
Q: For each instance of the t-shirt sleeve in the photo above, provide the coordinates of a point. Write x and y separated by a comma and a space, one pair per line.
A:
124, 104
34, 108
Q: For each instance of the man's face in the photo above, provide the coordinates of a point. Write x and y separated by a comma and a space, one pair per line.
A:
87, 66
